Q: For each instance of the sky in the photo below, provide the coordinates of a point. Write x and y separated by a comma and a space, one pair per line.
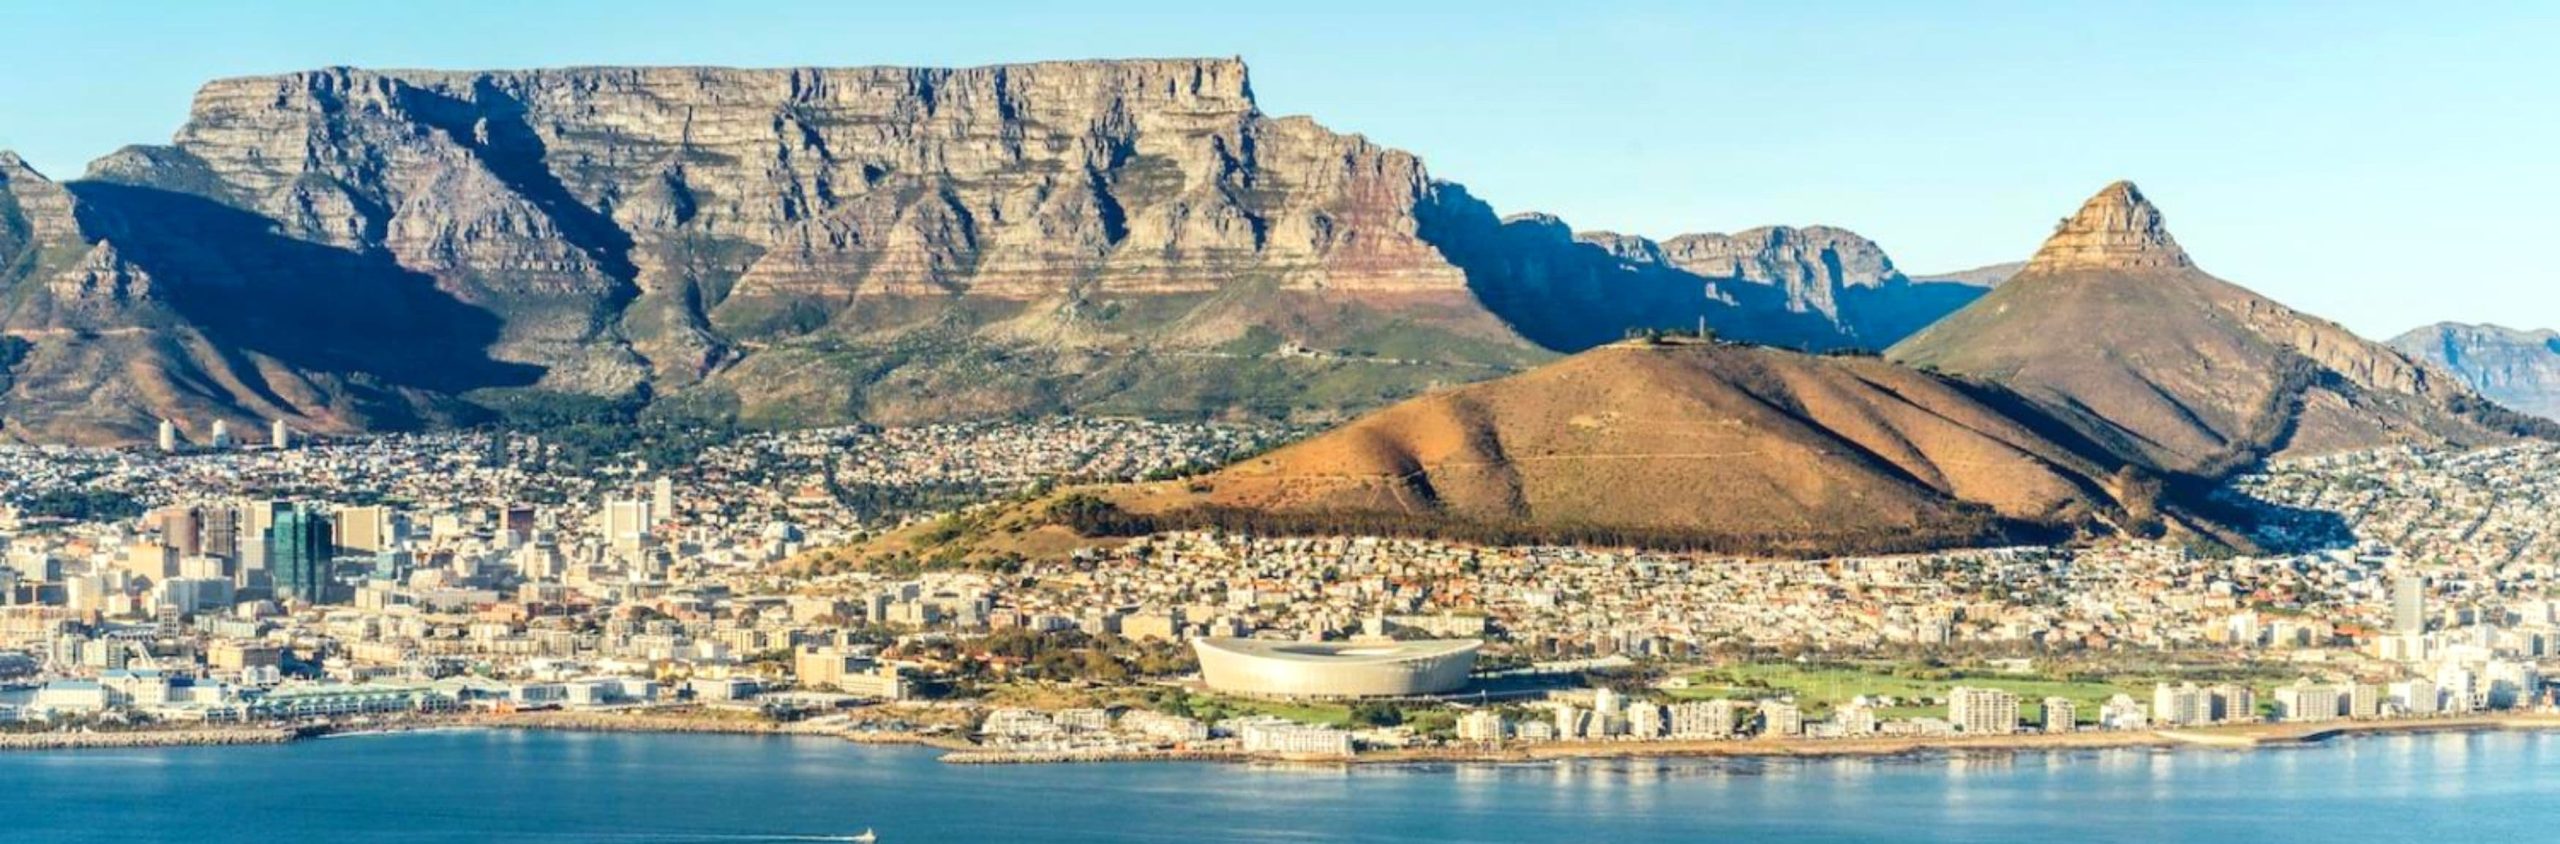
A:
2385, 165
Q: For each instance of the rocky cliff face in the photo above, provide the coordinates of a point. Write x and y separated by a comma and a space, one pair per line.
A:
93, 349
2519, 369
892, 244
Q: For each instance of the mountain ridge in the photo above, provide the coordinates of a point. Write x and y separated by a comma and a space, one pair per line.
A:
807, 245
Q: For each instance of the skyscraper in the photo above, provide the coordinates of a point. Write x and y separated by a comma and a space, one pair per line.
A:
2408, 603
181, 528
626, 525
168, 436
299, 549
219, 528
279, 436
662, 498
368, 530
221, 434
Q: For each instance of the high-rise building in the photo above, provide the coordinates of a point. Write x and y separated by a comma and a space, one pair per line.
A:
370, 529
2061, 715
1980, 711
2306, 701
662, 498
279, 437
181, 529
2233, 703
2408, 603
2179, 705
626, 525
299, 552
168, 436
221, 434
218, 531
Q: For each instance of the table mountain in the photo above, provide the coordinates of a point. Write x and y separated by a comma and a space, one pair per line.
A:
2113, 326
819, 245
2518, 369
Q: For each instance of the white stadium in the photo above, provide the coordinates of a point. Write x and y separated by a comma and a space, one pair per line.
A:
1265, 668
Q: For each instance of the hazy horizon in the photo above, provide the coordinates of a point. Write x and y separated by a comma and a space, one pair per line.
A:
2281, 139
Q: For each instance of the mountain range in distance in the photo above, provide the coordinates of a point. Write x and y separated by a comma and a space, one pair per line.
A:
2519, 369
351, 250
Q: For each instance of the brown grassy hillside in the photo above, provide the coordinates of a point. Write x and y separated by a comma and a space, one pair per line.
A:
1739, 448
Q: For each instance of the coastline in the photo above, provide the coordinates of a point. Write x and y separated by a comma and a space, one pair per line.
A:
961, 752
2227, 737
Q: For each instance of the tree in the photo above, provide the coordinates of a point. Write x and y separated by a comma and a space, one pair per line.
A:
1376, 713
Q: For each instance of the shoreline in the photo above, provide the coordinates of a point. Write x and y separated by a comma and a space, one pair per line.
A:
956, 751
2222, 737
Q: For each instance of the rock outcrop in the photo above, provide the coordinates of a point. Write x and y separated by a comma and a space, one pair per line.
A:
2518, 369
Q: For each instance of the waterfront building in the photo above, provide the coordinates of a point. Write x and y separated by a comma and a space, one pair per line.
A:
1856, 719
2179, 705
2415, 697
1699, 719
1981, 711
1163, 727
361, 699
1781, 719
1646, 720
2122, 713
1483, 725
2305, 701
1572, 722
2061, 715
2364, 700
301, 553
1293, 739
2232, 703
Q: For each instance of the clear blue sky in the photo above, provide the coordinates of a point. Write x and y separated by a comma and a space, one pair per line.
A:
2383, 164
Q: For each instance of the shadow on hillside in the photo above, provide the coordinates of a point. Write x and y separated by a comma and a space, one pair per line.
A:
1885, 315
313, 307
1569, 295
2275, 528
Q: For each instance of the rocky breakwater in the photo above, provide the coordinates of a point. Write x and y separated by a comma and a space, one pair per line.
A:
180, 737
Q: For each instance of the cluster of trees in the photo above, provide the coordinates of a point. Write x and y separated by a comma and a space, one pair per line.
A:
1092, 516
1963, 525
1075, 656
594, 430
81, 505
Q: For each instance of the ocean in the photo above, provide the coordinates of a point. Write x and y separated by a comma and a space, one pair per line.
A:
539, 787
